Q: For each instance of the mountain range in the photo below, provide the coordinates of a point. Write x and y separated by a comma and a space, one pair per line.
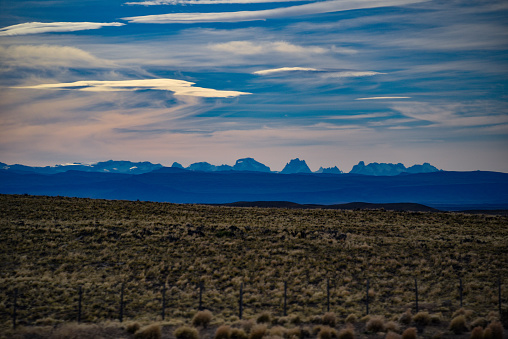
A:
443, 190
242, 165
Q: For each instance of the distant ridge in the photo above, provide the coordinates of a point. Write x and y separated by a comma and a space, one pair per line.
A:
410, 207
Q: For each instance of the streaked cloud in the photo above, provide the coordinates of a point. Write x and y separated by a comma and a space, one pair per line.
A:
383, 98
178, 87
251, 48
283, 69
351, 74
203, 2
307, 9
43, 56
53, 27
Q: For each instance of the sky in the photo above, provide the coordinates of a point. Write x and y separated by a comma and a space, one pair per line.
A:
333, 82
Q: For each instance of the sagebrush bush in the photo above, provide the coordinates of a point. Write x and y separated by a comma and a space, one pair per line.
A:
223, 332
462, 311
257, 331
458, 324
406, 318
326, 332
479, 322
152, 331
202, 318
238, 333
329, 319
347, 333
375, 324
186, 332
409, 333
477, 333
422, 318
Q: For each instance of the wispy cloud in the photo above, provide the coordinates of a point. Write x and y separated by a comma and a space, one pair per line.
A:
203, 2
283, 69
383, 98
251, 48
307, 9
43, 56
178, 87
51, 27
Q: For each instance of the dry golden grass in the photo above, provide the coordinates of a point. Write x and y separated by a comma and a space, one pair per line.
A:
50, 246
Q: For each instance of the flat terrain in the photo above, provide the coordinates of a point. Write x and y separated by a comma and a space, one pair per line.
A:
52, 246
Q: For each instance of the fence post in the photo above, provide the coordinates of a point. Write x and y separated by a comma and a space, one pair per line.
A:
121, 303
460, 290
367, 297
285, 297
240, 302
499, 294
163, 301
416, 295
200, 295
80, 298
328, 295
14, 308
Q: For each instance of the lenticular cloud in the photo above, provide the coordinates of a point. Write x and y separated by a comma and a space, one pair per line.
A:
179, 87
50, 27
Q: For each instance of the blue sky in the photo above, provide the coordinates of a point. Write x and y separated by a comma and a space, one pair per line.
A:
333, 82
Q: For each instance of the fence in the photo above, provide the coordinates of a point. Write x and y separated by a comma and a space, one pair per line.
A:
123, 301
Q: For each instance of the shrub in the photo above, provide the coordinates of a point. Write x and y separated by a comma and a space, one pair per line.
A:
223, 332
186, 332
422, 318
277, 331
479, 322
296, 320
329, 319
393, 335
375, 324
477, 333
202, 318
406, 317
149, 332
458, 324
327, 332
487, 333
132, 327
351, 319
246, 324
497, 329
263, 318
392, 326
347, 333
409, 333
293, 333
462, 311
238, 333
257, 331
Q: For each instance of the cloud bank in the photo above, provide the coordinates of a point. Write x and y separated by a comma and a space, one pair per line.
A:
307, 9
52, 27
178, 87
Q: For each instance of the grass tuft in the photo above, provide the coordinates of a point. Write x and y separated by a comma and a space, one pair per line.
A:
409, 333
186, 332
458, 324
375, 324
202, 318
152, 331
